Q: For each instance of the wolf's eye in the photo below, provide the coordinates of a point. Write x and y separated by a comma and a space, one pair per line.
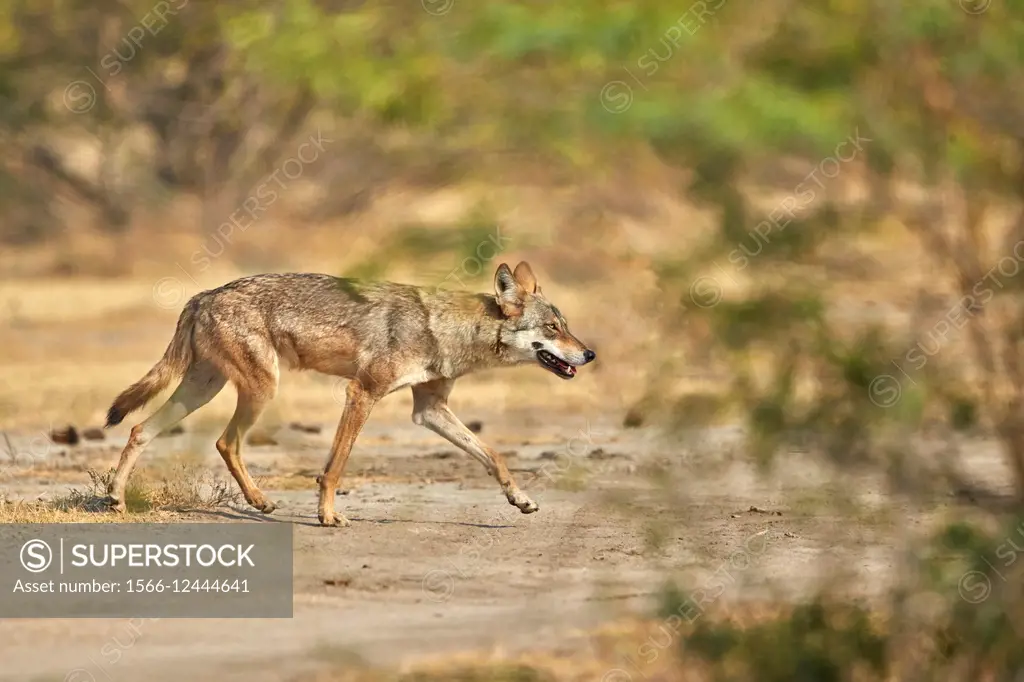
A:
551, 327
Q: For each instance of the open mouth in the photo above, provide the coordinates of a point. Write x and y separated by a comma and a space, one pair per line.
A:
549, 361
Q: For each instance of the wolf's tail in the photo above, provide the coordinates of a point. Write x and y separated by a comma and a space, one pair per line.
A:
175, 361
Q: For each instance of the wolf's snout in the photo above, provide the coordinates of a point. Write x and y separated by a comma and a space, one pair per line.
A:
589, 355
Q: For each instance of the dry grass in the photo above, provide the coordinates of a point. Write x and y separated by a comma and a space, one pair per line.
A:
43, 512
148, 498
192, 487
184, 487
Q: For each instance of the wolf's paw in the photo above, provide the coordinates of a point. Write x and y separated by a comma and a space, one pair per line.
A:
333, 520
524, 503
528, 507
117, 505
265, 506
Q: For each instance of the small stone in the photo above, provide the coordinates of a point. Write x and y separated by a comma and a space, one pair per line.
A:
66, 436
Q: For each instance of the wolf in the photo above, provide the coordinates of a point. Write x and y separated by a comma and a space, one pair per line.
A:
380, 336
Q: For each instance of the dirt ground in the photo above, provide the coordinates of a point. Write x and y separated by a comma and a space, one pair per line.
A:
435, 562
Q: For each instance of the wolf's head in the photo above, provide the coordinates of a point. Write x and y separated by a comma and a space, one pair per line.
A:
534, 330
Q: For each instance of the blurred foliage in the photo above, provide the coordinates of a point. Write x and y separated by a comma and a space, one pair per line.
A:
818, 641
472, 242
713, 87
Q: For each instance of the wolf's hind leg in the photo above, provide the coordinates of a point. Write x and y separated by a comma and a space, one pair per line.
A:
229, 445
251, 364
199, 386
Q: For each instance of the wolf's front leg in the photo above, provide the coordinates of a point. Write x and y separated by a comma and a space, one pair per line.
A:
358, 404
430, 409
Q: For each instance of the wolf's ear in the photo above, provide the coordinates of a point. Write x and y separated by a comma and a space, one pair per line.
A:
524, 275
509, 291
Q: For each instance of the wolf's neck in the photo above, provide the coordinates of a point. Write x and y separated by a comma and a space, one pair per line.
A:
469, 334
